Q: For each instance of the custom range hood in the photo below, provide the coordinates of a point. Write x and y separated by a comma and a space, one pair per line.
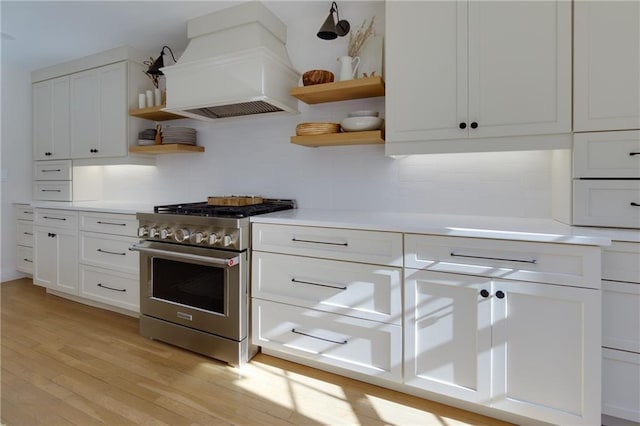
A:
236, 64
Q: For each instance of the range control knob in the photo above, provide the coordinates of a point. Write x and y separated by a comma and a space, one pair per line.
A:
199, 237
142, 231
153, 233
227, 240
213, 238
165, 233
181, 235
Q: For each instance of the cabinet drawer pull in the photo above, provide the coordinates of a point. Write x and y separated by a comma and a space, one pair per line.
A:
634, 153
293, 330
635, 204
27, 233
51, 190
27, 260
27, 212
293, 280
50, 170
54, 218
294, 239
111, 288
532, 261
111, 252
111, 223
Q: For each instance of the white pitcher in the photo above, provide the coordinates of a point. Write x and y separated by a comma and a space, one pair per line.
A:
348, 67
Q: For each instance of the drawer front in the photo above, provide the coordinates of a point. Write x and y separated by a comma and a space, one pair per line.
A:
358, 345
383, 248
52, 170
621, 262
110, 287
621, 315
564, 264
354, 289
24, 236
620, 384
24, 259
109, 251
606, 155
54, 190
24, 212
109, 223
56, 218
606, 203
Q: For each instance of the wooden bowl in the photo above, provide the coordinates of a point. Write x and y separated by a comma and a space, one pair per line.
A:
312, 77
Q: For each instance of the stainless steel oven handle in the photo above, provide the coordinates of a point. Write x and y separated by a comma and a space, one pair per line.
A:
185, 256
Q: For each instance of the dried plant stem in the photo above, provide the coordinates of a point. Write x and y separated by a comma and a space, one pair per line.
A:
358, 38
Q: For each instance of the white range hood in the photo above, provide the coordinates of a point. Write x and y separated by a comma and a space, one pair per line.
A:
236, 64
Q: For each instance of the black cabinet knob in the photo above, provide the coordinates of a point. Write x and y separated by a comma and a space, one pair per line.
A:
474, 125
484, 293
499, 294
463, 125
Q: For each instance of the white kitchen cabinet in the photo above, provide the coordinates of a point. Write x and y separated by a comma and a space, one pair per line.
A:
99, 112
494, 322
606, 65
51, 119
24, 238
331, 296
56, 252
474, 71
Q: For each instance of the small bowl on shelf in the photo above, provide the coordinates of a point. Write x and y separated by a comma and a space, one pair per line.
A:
312, 77
363, 113
361, 124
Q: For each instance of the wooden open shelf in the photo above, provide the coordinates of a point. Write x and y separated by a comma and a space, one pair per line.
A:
359, 88
341, 139
154, 113
169, 148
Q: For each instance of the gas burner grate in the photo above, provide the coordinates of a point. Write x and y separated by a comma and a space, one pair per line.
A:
204, 209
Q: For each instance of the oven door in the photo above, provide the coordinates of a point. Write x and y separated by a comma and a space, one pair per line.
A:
200, 288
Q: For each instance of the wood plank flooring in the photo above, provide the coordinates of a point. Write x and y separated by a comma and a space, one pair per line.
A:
64, 363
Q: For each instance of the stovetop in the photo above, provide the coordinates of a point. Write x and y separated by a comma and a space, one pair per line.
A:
269, 205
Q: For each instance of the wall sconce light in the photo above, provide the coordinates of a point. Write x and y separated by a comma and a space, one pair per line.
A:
154, 69
330, 30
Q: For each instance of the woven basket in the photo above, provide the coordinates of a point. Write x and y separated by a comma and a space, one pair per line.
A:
309, 129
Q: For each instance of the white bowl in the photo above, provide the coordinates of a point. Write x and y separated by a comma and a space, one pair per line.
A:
363, 113
361, 124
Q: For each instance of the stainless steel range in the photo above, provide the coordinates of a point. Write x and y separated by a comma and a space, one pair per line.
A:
194, 276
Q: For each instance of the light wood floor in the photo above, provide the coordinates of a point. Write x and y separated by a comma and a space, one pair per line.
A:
67, 363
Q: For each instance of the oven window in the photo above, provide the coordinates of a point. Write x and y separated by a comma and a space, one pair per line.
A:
189, 284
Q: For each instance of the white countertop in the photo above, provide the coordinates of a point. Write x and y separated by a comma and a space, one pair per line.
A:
99, 206
508, 228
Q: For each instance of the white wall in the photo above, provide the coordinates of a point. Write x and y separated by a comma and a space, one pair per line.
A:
254, 155
15, 153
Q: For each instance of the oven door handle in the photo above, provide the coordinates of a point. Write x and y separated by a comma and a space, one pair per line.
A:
185, 256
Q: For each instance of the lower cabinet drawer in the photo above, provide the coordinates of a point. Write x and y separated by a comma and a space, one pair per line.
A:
52, 190
621, 316
621, 384
607, 203
24, 259
110, 287
621, 262
358, 345
356, 289
109, 223
24, 235
109, 251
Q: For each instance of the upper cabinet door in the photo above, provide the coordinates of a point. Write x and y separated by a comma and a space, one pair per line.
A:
51, 119
426, 70
519, 68
99, 112
607, 65
471, 70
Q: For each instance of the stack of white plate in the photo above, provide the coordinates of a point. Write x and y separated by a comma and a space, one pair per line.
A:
183, 135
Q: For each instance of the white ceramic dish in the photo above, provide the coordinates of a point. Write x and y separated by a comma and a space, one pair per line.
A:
361, 124
363, 113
